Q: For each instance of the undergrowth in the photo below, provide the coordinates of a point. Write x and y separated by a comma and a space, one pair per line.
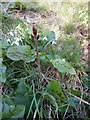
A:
59, 89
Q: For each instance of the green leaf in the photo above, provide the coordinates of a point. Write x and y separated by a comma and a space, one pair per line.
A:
63, 66
43, 57
49, 97
50, 35
3, 71
53, 56
25, 100
54, 88
73, 102
7, 110
5, 44
77, 93
22, 88
10, 111
18, 112
19, 53
18, 4
33, 55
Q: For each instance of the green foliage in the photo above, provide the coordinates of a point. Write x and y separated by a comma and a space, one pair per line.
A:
19, 53
63, 66
73, 102
4, 44
45, 41
6, 21
18, 112
22, 88
37, 6
10, 111
54, 88
81, 14
50, 35
3, 71
28, 95
32, 5
19, 5
69, 28
71, 51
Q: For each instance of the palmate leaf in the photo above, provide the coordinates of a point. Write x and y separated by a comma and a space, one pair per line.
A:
19, 53
63, 66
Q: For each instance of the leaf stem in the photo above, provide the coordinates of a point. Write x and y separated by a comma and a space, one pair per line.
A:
35, 39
